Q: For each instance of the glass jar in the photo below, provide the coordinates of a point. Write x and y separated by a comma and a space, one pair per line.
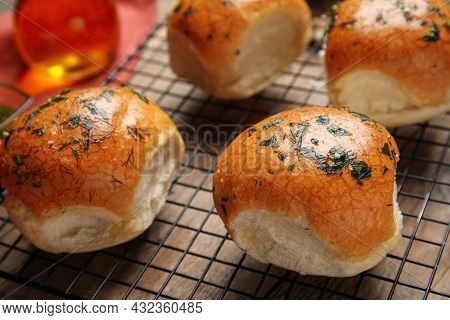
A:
67, 39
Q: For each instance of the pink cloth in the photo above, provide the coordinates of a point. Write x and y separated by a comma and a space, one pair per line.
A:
137, 18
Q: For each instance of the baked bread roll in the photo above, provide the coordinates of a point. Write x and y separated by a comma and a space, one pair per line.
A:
311, 190
233, 49
391, 59
89, 169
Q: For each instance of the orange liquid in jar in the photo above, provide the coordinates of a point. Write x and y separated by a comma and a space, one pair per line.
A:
67, 39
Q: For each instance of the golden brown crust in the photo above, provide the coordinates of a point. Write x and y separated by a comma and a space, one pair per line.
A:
83, 148
295, 174
408, 51
215, 29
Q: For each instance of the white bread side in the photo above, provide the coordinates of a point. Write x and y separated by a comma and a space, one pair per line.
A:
240, 49
289, 243
383, 98
82, 228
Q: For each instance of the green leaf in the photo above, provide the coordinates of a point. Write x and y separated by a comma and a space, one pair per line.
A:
386, 150
433, 34
272, 123
324, 119
337, 131
363, 117
140, 95
360, 171
65, 91
271, 142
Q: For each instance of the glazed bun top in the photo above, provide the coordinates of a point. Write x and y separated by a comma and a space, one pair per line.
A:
218, 26
333, 167
408, 40
87, 147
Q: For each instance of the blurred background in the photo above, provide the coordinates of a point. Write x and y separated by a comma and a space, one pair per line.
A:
53, 44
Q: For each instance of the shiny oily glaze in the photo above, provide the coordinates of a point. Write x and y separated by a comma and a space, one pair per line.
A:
333, 167
407, 40
82, 148
219, 25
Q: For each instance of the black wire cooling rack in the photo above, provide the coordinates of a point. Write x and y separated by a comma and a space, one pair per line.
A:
187, 254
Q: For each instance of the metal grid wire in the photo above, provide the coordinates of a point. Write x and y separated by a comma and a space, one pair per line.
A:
187, 254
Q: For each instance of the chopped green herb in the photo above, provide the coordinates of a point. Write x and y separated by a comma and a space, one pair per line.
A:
386, 150
140, 96
49, 103
42, 107
408, 16
406, 8
38, 132
65, 91
337, 131
106, 94
446, 22
188, 11
348, 24
17, 160
433, 34
334, 16
336, 159
380, 18
36, 184
291, 168
91, 106
309, 153
58, 98
363, 117
178, 7
272, 123
434, 9
271, 142
137, 133
281, 156
360, 171
323, 120
299, 135
74, 120
394, 155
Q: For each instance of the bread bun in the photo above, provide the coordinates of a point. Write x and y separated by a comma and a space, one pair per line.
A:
233, 49
89, 169
311, 190
391, 59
